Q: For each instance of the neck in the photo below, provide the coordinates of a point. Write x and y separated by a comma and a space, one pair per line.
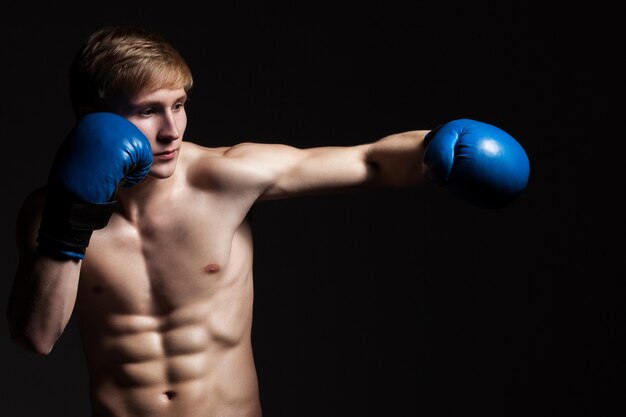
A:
133, 201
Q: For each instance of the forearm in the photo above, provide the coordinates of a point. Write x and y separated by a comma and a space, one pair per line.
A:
42, 301
397, 159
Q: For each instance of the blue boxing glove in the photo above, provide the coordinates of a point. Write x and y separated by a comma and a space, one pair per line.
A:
477, 162
102, 152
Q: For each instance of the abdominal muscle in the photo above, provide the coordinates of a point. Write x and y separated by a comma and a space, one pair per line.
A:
169, 366
175, 344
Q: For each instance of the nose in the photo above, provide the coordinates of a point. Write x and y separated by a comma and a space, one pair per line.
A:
168, 131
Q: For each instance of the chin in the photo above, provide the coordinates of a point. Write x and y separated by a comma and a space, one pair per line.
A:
163, 171
161, 175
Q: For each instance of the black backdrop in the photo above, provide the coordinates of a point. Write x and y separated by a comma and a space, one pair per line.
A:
393, 302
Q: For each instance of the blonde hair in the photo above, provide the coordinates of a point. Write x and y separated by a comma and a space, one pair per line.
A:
118, 61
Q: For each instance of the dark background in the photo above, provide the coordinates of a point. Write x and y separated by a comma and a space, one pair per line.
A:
393, 302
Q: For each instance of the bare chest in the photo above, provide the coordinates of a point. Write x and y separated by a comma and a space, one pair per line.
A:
174, 256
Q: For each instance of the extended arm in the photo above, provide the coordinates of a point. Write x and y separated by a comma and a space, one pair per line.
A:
282, 171
475, 161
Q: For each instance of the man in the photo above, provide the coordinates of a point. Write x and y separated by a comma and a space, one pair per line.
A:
146, 238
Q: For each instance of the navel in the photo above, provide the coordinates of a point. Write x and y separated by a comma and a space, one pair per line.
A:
212, 268
169, 395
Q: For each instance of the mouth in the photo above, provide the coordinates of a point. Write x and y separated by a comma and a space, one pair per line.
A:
166, 155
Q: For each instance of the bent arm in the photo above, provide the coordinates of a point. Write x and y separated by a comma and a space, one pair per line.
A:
44, 289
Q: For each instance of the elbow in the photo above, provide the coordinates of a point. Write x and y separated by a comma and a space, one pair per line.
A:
32, 335
32, 344
30, 340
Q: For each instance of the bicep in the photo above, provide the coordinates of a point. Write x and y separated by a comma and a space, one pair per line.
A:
318, 170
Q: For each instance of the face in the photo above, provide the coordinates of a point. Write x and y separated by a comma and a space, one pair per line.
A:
160, 115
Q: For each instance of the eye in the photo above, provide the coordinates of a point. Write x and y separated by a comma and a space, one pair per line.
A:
148, 111
179, 106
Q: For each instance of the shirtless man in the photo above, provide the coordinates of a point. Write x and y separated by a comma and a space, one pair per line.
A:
146, 238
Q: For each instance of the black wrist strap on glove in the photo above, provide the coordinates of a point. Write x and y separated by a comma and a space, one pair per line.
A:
68, 223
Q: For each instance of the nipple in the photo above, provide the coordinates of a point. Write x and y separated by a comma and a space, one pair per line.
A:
168, 395
212, 268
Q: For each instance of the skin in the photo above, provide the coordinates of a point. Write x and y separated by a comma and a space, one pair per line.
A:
163, 298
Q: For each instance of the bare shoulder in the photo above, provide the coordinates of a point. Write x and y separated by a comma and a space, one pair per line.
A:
197, 160
241, 165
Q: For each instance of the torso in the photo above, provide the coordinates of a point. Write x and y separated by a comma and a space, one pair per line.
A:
165, 307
